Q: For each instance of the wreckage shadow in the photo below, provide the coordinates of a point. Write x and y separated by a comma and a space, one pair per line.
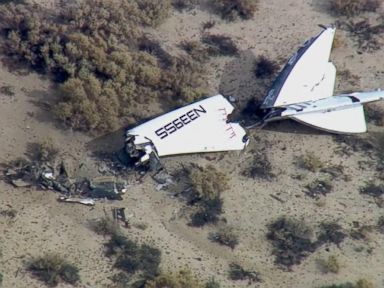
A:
108, 143
293, 127
238, 79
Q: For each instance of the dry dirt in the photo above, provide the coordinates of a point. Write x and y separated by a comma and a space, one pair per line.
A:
42, 224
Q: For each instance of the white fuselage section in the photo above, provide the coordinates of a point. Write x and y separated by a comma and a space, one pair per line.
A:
340, 102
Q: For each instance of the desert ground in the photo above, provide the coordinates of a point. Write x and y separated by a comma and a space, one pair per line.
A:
43, 224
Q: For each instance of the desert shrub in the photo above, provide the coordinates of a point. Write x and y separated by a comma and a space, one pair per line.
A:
207, 213
374, 114
225, 235
98, 51
232, 9
361, 283
378, 143
380, 224
212, 283
182, 5
52, 269
132, 257
206, 183
7, 90
260, 167
181, 279
362, 232
1, 278
105, 226
353, 7
205, 187
8, 213
331, 232
237, 272
309, 161
291, 240
196, 50
208, 25
319, 187
45, 151
372, 189
265, 68
219, 45
330, 265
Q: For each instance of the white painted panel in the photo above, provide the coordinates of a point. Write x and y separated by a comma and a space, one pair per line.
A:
350, 120
199, 127
313, 76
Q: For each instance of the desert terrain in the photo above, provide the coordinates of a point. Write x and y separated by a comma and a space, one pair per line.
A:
278, 28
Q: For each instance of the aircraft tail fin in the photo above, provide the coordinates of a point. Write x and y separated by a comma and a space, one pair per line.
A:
351, 120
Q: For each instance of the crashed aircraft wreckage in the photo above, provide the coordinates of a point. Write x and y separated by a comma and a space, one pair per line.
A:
303, 91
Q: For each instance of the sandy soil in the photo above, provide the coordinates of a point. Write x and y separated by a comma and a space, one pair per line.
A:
278, 28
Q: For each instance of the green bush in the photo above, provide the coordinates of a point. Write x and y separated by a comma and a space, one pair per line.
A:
319, 187
212, 283
52, 268
372, 189
105, 226
225, 235
265, 68
237, 272
205, 187
361, 283
219, 45
330, 265
98, 52
260, 167
310, 161
291, 240
353, 7
132, 257
232, 9
181, 279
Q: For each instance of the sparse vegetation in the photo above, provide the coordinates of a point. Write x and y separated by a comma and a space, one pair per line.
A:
237, 272
330, 265
362, 232
96, 50
8, 213
361, 283
45, 151
319, 187
260, 167
205, 184
132, 257
374, 114
380, 225
196, 50
212, 283
52, 268
351, 8
265, 68
1, 279
225, 235
310, 161
181, 279
105, 226
7, 90
232, 9
182, 5
372, 189
219, 45
291, 240
331, 232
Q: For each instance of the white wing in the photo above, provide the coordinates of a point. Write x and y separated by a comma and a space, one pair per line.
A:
199, 127
307, 76
350, 120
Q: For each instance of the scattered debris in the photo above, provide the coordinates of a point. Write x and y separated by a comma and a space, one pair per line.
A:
34, 173
119, 215
84, 201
